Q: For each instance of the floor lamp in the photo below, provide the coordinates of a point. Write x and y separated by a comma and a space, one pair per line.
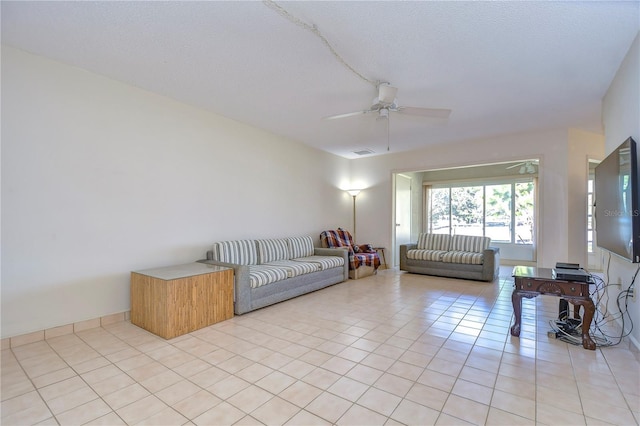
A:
354, 193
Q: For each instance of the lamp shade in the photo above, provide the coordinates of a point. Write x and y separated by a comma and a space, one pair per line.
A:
353, 192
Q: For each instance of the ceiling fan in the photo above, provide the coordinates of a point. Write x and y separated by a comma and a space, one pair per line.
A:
526, 167
386, 102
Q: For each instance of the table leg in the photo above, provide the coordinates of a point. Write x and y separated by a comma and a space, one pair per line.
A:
576, 312
516, 300
589, 311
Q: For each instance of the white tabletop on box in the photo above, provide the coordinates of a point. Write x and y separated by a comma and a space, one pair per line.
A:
181, 271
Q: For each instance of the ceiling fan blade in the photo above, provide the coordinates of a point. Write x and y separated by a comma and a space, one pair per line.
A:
348, 114
514, 166
387, 94
425, 112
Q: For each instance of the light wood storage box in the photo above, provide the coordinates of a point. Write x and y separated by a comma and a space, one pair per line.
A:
176, 300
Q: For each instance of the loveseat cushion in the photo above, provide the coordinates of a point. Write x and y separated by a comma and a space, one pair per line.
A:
300, 247
434, 255
469, 243
325, 262
295, 268
466, 257
439, 242
241, 252
272, 249
260, 275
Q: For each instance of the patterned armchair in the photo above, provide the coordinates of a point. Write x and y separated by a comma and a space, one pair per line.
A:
363, 259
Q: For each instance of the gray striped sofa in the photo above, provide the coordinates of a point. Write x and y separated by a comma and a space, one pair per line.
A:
457, 256
268, 271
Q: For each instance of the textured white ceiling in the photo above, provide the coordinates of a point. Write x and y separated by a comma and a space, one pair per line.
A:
502, 67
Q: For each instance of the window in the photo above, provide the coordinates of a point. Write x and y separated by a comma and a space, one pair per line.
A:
503, 211
440, 211
524, 212
590, 184
499, 212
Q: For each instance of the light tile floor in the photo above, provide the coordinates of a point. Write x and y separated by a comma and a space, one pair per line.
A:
390, 349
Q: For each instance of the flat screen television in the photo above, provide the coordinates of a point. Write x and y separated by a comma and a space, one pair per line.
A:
616, 198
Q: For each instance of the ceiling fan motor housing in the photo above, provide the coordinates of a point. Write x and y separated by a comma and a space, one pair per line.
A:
387, 94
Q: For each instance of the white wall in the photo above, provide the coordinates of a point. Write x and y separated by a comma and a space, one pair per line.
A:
621, 118
582, 147
100, 178
375, 223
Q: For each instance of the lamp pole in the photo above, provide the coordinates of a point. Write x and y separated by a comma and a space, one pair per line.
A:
354, 193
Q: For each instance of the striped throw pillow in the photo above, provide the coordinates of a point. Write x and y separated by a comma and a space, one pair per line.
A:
300, 247
469, 243
272, 250
434, 241
241, 252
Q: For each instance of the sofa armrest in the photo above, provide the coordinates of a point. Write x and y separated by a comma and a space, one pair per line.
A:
342, 252
242, 283
404, 248
337, 251
491, 266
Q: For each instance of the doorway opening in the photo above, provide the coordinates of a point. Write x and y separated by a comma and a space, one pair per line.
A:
494, 200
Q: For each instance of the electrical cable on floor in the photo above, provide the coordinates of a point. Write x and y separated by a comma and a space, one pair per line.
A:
570, 330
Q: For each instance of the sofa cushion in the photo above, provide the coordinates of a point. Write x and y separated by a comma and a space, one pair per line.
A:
417, 254
242, 252
295, 268
300, 247
260, 275
325, 262
469, 243
467, 257
434, 242
272, 249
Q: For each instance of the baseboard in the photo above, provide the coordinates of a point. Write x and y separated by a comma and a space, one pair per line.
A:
634, 345
36, 336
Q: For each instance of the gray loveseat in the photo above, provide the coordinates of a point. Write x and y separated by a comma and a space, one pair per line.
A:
457, 256
269, 271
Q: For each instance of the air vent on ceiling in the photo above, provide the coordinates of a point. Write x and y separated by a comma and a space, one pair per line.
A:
363, 152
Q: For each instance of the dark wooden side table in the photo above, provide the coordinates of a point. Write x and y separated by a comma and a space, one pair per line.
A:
530, 282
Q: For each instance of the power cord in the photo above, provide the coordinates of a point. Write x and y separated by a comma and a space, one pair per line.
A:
623, 297
570, 329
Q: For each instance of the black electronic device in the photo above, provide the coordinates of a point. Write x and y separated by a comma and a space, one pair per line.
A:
617, 202
565, 265
571, 275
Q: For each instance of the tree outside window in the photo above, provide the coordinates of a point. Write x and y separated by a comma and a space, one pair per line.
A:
524, 212
467, 210
498, 217
440, 211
